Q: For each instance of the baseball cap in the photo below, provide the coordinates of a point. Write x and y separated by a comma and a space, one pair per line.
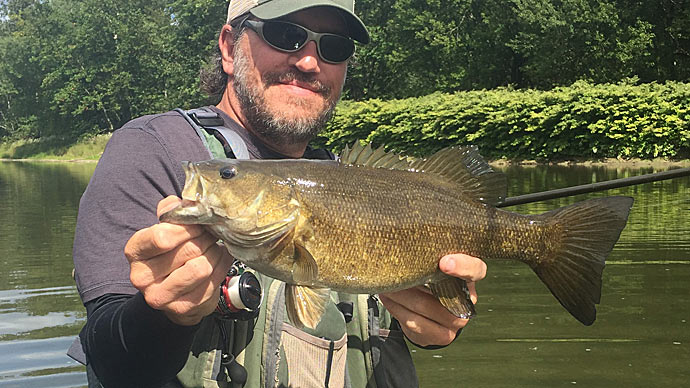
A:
271, 9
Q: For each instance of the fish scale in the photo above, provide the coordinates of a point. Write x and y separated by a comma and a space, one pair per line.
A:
397, 237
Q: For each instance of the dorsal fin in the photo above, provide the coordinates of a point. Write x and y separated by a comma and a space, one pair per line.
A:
467, 168
463, 166
365, 156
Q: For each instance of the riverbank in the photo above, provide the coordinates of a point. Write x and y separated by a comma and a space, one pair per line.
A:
87, 149
608, 162
90, 150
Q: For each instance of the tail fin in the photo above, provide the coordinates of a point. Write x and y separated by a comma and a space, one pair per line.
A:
591, 229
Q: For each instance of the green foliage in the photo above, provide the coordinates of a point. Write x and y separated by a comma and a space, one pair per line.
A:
88, 66
582, 121
419, 47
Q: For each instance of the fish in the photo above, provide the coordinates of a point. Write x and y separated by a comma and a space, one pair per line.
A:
375, 222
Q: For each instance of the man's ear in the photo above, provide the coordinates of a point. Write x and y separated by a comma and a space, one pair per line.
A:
226, 43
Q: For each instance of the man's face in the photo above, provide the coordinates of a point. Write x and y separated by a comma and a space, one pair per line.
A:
288, 97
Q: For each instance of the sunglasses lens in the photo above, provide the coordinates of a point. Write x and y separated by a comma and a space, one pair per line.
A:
291, 37
336, 48
284, 36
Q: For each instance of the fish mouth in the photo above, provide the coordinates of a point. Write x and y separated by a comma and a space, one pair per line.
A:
191, 210
188, 212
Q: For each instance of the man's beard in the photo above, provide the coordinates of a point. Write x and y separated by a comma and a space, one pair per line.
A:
272, 125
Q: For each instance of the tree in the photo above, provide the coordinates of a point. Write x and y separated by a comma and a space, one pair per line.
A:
19, 79
562, 42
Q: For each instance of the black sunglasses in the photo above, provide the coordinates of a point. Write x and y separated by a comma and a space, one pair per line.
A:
290, 37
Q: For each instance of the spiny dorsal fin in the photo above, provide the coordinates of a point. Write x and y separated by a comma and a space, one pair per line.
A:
379, 158
465, 167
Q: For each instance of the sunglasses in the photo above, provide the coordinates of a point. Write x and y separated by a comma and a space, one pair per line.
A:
289, 37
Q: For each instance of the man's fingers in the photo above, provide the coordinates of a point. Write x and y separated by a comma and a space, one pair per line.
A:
425, 304
472, 287
420, 329
158, 239
463, 266
189, 289
146, 272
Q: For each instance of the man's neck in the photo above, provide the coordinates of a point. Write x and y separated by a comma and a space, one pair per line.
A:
232, 109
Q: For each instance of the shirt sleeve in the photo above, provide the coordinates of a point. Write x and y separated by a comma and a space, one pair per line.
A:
134, 173
129, 344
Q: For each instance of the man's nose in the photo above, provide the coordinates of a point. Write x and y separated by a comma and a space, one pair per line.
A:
306, 59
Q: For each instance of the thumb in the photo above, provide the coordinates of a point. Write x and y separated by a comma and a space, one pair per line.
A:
463, 266
166, 204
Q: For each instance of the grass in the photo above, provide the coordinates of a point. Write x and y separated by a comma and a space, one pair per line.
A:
89, 148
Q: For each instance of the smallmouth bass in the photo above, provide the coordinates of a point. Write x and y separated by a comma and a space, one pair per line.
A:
375, 222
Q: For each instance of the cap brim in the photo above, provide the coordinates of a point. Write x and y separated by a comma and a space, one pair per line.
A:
279, 8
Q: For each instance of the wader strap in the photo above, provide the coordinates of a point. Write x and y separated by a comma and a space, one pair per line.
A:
197, 128
275, 315
375, 341
235, 142
364, 322
209, 120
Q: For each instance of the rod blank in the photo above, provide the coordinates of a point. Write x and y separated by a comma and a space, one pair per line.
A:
594, 187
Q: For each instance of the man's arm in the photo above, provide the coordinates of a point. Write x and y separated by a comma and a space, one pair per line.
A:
421, 316
177, 270
130, 344
144, 339
124, 337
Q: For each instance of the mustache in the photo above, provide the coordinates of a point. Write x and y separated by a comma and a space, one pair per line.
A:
273, 78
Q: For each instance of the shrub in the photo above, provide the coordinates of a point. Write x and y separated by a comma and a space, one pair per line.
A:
582, 121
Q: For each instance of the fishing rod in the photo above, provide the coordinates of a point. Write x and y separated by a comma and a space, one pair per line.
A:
593, 187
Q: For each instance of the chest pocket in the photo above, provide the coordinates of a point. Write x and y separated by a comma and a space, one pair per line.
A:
310, 361
295, 358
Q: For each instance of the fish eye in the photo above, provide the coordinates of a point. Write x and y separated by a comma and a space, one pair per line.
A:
228, 172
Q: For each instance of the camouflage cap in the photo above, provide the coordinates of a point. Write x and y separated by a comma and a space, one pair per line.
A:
271, 9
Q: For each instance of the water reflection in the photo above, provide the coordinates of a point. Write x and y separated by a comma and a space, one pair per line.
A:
39, 363
40, 310
521, 338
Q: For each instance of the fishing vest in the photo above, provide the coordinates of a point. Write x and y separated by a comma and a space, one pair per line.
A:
357, 344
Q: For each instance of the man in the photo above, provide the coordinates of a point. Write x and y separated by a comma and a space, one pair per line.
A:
151, 288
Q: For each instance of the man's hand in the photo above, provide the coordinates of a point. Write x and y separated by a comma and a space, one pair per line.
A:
177, 268
422, 317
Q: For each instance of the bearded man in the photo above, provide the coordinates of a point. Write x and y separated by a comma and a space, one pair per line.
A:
151, 289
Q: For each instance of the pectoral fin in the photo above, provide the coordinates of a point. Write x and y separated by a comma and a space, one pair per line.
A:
305, 305
305, 269
455, 296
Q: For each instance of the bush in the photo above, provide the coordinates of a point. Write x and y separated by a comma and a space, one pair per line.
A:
583, 121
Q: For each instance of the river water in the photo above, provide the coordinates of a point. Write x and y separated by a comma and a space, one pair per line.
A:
521, 337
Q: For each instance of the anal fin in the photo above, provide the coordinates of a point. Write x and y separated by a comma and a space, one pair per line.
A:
305, 305
455, 296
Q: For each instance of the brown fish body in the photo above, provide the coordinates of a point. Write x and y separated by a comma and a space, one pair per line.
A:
375, 230
383, 225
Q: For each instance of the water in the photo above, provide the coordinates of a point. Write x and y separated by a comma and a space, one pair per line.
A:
40, 311
521, 338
